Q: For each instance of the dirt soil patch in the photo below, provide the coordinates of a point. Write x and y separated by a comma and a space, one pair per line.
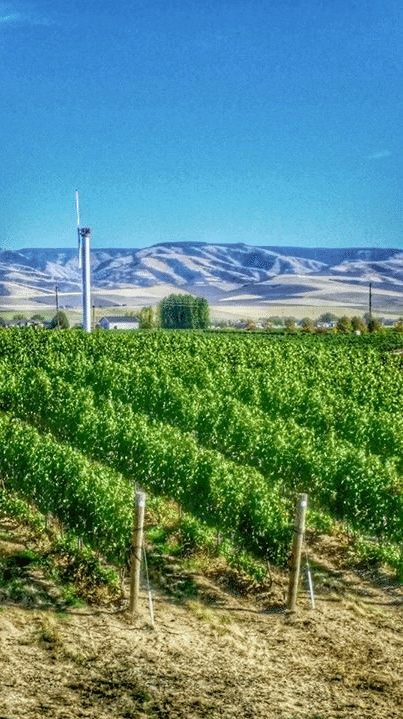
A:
221, 654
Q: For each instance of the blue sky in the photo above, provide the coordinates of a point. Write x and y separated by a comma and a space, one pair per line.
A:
265, 122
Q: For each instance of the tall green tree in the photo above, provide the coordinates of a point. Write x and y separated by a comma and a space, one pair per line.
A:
184, 312
290, 325
59, 321
202, 313
146, 317
375, 325
327, 317
343, 324
308, 325
358, 325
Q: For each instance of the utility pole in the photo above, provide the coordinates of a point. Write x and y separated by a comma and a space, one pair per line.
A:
57, 308
370, 302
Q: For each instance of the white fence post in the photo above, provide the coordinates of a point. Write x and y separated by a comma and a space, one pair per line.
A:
298, 538
137, 543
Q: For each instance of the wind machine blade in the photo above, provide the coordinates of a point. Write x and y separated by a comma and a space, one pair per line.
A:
78, 230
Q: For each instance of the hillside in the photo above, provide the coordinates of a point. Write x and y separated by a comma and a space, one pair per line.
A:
227, 275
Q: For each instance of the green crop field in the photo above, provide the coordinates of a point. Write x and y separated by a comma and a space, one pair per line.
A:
231, 427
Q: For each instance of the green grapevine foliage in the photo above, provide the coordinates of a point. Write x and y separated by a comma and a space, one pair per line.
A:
233, 427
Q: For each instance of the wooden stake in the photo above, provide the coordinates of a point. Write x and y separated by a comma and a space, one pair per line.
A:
299, 528
137, 542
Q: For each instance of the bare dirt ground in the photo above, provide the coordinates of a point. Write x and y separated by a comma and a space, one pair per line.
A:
222, 654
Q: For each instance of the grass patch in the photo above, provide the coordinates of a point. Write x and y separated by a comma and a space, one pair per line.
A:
49, 634
179, 545
77, 569
374, 553
218, 622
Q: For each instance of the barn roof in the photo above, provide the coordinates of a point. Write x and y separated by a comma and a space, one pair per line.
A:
119, 318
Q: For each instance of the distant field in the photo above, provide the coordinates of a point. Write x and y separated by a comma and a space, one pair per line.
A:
280, 296
285, 309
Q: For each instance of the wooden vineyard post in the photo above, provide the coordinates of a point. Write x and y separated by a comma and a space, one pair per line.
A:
299, 528
137, 543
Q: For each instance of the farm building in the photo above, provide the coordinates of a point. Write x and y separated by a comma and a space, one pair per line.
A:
116, 322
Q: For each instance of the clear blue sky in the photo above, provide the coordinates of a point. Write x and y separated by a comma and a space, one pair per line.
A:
275, 122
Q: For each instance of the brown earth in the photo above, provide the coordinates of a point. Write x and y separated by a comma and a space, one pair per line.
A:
226, 653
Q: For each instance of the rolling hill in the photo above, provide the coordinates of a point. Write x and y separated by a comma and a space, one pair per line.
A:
227, 275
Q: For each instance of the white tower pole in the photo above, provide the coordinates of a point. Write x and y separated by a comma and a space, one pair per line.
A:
85, 244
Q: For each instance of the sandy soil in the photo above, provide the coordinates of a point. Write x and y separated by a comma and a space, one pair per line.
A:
224, 653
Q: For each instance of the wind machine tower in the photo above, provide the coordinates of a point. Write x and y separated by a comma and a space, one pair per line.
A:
84, 234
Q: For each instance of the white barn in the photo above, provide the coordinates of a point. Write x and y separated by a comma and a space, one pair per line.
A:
116, 322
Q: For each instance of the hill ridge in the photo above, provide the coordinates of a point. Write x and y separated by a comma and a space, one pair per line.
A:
223, 273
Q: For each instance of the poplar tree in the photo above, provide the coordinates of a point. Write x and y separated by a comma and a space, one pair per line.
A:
184, 312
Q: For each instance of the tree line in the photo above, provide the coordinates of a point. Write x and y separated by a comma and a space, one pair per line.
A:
185, 311
327, 322
173, 312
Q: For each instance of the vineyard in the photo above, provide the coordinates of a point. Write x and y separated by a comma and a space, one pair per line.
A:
232, 428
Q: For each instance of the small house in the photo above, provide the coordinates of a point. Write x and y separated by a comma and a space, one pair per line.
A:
116, 322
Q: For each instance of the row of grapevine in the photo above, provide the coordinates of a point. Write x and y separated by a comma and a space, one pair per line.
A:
231, 427
345, 480
158, 456
92, 500
357, 394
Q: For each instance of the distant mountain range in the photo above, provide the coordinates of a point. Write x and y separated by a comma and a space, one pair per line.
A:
220, 272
